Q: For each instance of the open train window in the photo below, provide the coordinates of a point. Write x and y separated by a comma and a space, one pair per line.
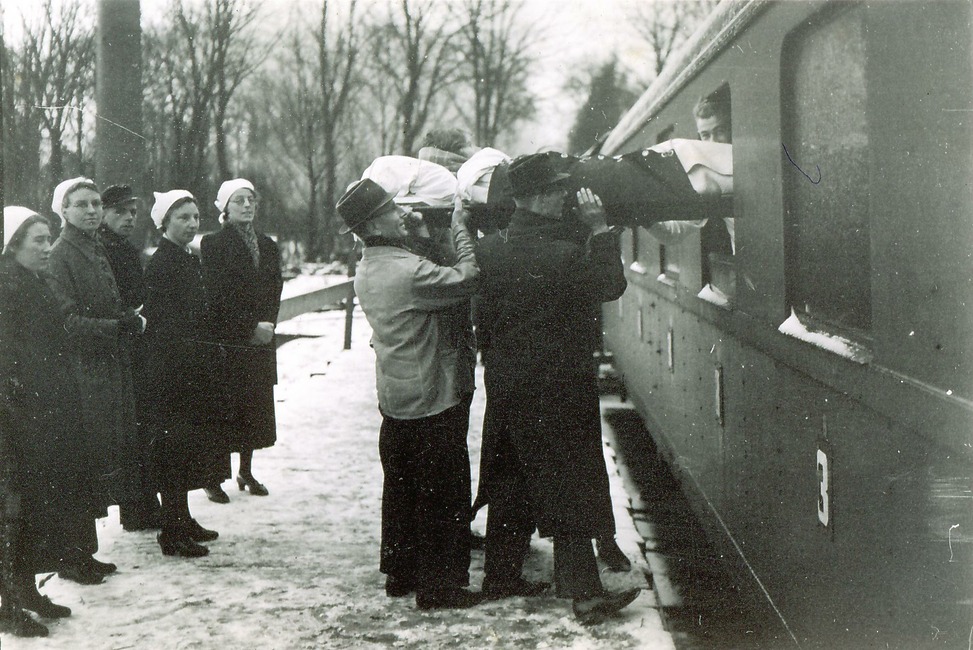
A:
712, 116
826, 179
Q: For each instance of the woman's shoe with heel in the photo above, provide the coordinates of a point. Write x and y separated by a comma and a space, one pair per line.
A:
256, 488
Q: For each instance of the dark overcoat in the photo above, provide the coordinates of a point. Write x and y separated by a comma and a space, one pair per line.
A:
45, 457
178, 360
538, 286
84, 284
240, 295
126, 265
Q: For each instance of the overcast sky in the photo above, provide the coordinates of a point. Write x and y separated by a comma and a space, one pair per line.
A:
575, 34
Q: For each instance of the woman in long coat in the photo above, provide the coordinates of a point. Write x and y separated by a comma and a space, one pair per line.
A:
241, 269
43, 515
178, 360
99, 329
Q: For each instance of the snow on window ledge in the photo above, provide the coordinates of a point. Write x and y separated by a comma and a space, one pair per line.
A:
637, 268
839, 345
711, 294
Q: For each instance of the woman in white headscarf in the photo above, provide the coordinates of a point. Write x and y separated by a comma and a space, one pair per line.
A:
43, 511
178, 360
241, 269
100, 329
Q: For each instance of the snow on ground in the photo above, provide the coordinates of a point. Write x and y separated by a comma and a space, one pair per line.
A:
299, 569
307, 283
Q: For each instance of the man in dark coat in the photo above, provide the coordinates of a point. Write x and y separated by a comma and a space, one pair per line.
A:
537, 289
120, 208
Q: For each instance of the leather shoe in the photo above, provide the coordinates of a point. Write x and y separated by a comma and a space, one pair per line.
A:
590, 611
612, 556
216, 494
100, 568
454, 598
80, 573
396, 587
19, 623
43, 606
180, 545
518, 587
197, 533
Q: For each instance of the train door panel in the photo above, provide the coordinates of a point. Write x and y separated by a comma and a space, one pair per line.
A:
921, 93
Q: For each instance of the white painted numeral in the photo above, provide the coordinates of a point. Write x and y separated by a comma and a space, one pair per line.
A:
823, 488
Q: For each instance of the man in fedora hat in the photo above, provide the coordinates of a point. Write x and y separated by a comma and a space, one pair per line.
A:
542, 463
419, 312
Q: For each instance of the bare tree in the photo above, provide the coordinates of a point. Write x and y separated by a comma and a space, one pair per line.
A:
413, 55
496, 62
312, 95
236, 54
21, 132
665, 24
58, 54
194, 65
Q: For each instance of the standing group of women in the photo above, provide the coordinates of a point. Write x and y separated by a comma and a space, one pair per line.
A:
68, 433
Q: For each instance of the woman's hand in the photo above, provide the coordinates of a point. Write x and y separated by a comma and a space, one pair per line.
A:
591, 212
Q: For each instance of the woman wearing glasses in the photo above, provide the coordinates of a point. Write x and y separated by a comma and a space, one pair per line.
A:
100, 330
241, 269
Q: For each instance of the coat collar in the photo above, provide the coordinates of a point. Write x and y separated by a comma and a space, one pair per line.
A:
90, 245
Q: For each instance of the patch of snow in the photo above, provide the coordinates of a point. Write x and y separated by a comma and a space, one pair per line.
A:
831, 342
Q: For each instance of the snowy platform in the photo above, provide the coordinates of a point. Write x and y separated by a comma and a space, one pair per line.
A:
299, 569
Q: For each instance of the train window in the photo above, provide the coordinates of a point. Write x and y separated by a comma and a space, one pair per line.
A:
712, 116
826, 182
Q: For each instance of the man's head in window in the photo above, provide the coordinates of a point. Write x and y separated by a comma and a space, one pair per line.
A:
712, 115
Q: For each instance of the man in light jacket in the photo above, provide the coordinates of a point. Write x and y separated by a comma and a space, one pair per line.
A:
419, 312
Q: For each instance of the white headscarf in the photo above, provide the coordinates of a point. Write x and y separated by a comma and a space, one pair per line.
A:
164, 201
228, 188
14, 217
63, 189
473, 177
413, 181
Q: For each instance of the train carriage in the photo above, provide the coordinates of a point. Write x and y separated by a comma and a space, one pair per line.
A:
812, 385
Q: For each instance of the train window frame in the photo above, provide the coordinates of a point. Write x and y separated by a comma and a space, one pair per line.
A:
668, 273
827, 119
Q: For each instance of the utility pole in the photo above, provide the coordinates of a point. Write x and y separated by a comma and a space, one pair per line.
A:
119, 140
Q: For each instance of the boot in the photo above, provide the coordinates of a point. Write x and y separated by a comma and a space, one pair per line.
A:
13, 618
32, 599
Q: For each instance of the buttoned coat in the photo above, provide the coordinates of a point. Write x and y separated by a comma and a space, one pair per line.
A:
45, 456
538, 286
82, 280
179, 358
419, 312
240, 295
126, 264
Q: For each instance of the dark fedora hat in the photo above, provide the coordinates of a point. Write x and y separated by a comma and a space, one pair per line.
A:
535, 173
117, 195
360, 202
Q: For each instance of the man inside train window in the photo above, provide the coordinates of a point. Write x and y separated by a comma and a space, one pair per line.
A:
712, 116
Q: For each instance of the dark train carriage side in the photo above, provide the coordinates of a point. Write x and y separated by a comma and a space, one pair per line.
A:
814, 390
